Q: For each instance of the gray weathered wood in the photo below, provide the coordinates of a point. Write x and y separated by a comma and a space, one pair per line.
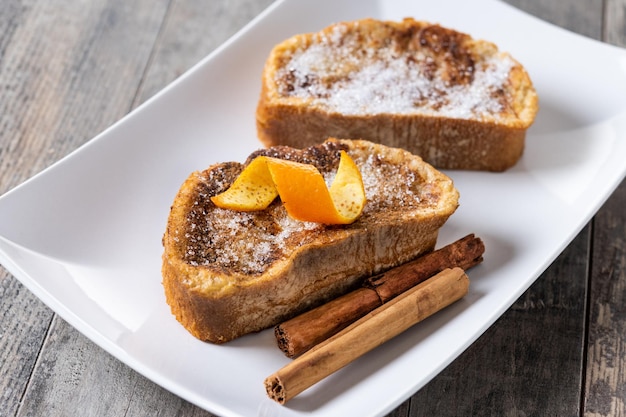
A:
63, 80
69, 69
24, 321
584, 17
515, 373
605, 390
615, 22
191, 31
66, 76
605, 393
71, 366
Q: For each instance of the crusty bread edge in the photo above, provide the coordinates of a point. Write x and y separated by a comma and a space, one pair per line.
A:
219, 319
445, 143
245, 306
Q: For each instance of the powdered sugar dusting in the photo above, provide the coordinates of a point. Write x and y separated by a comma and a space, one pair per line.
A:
244, 241
249, 242
388, 186
338, 74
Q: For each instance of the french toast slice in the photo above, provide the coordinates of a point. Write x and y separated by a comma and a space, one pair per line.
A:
458, 102
227, 273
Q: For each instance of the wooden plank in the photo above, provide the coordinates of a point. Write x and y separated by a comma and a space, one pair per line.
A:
582, 17
605, 389
615, 22
67, 78
191, 31
605, 393
74, 378
73, 375
23, 327
63, 80
514, 373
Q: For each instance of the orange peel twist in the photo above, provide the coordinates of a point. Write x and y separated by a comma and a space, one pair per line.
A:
301, 188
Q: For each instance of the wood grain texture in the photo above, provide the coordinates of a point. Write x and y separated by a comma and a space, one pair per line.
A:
605, 393
582, 17
55, 59
116, 55
605, 390
68, 77
23, 327
514, 373
615, 22
191, 31
72, 378
70, 68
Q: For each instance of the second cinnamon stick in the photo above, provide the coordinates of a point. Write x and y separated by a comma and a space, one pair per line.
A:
365, 334
302, 332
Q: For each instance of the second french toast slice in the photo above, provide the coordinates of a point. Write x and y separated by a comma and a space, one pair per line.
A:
458, 102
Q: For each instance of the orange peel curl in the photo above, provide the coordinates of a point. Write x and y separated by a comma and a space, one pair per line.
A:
301, 188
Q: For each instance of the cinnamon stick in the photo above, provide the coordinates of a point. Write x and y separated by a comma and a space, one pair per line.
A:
370, 331
464, 253
302, 332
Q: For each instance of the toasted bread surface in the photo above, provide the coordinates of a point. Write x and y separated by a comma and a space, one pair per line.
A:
227, 273
458, 102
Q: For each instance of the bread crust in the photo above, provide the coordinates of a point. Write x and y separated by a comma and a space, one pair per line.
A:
488, 140
219, 302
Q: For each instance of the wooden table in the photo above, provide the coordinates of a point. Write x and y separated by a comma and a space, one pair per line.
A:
69, 69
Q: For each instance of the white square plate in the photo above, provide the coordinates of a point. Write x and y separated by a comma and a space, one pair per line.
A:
85, 234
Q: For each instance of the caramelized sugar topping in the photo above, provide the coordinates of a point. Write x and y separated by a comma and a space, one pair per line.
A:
371, 67
249, 242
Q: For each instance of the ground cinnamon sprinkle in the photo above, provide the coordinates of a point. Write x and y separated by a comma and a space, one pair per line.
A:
213, 235
337, 73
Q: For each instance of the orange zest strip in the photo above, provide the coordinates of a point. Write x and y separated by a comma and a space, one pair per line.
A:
301, 188
346, 190
252, 190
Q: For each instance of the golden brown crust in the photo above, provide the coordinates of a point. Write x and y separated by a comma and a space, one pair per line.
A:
230, 294
298, 102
